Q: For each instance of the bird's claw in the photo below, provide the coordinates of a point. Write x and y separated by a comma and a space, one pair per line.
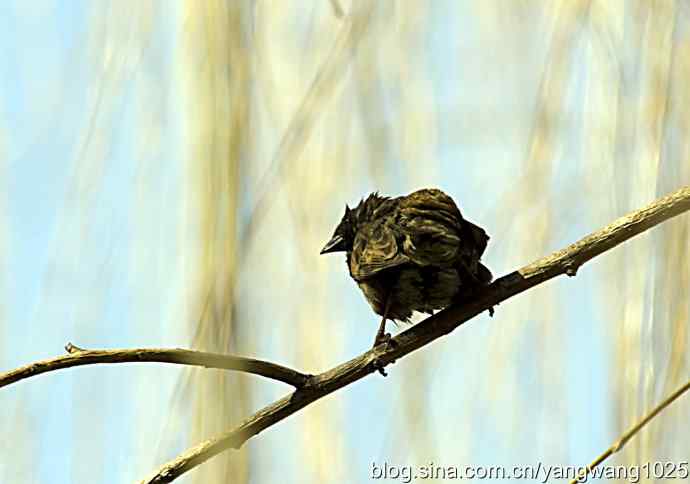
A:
380, 368
491, 310
382, 339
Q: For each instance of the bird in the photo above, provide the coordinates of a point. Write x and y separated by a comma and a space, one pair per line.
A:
413, 253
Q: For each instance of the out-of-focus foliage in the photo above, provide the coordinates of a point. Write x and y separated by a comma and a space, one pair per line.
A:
205, 152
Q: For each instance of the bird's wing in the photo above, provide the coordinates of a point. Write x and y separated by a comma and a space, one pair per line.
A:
430, 243
435, 234
375, 249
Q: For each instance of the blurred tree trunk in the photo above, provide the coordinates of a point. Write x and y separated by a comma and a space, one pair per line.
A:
218, 66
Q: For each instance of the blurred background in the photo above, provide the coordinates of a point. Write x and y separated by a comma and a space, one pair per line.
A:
169, 171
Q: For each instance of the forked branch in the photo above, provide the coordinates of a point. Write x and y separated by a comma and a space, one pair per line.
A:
78, 357
566, 261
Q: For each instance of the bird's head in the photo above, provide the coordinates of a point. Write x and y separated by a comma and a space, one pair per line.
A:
344, 235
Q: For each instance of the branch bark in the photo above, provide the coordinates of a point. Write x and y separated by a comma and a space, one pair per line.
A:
79, 357
566, 261
622, 440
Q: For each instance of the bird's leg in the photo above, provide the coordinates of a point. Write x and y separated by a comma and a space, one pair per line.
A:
381, 335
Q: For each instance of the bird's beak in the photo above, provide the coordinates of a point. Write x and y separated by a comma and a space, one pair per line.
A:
337, 243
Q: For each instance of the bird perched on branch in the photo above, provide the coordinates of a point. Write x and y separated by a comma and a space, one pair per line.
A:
410, 253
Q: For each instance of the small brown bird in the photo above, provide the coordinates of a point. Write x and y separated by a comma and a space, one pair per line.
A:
410, 253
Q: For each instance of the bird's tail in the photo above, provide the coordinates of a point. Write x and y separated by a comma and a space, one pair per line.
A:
478, 235
484, 274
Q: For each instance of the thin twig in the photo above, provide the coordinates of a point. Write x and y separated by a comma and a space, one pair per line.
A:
79, 357
565, 261
620, 443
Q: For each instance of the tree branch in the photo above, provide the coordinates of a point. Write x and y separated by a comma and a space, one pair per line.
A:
566, 261
79, 357
620, 443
